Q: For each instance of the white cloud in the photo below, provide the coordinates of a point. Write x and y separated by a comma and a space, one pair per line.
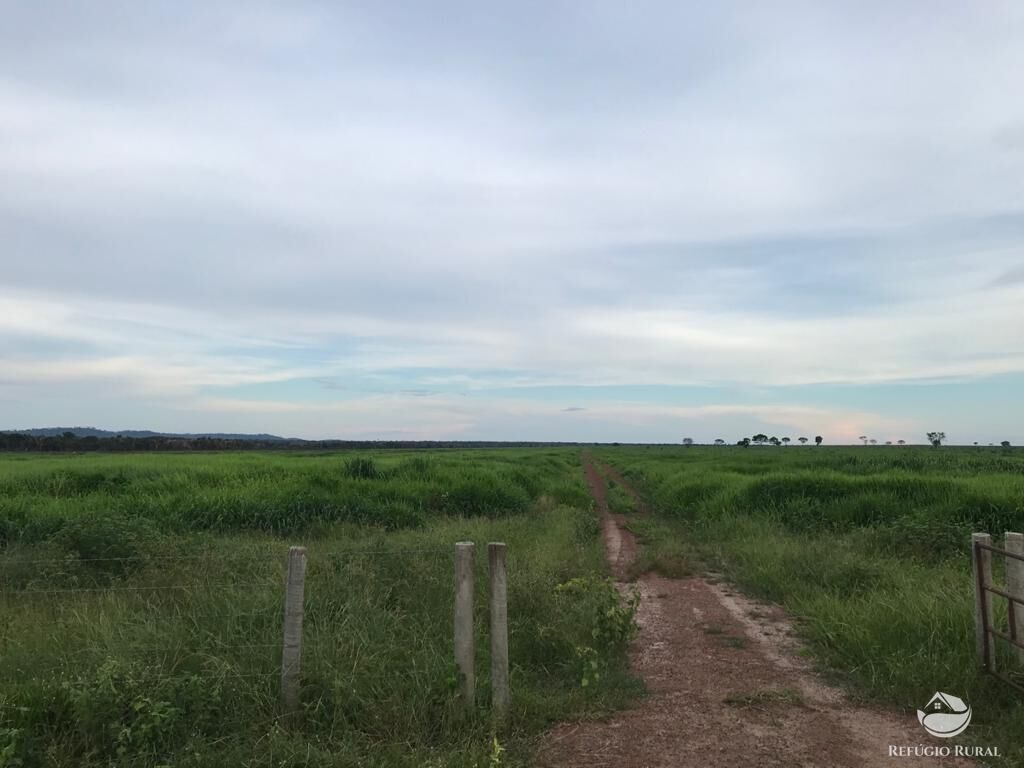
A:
660, 194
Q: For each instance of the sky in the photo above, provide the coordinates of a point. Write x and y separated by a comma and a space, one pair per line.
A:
546, 220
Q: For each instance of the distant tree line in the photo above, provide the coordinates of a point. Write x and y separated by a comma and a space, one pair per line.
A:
934, 438
68, 442
761, 439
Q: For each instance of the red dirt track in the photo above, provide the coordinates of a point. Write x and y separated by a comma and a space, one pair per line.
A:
725, 686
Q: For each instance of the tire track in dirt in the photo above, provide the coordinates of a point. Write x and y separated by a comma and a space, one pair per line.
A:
725, 685
619, 542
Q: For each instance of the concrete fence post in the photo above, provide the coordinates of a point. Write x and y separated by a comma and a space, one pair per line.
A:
291, 656
1014, 542
500, 697
464, 647
982, 562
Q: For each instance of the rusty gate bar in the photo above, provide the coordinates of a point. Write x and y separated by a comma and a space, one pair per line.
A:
999, 551
987, 622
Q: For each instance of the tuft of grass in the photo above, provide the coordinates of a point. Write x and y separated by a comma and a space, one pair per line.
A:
361, 468
620, 501
660, 552
735, 641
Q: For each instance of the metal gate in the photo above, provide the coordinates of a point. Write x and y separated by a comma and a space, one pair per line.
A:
985, 589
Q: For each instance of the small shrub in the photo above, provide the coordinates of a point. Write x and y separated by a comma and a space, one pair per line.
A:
125, 709
120, 712
594, 603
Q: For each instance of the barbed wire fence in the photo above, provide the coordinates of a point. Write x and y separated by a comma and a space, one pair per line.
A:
212, 617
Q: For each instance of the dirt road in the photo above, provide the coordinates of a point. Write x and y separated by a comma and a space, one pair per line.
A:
725, 686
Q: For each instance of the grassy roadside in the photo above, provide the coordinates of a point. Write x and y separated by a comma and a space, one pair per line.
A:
866, 548
135, 673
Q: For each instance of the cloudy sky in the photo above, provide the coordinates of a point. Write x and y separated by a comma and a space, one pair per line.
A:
534, 220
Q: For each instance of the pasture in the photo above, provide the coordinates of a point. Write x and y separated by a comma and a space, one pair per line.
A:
867, 547
142, 607
141, 594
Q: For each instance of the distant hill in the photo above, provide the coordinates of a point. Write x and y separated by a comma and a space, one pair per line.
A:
143, 433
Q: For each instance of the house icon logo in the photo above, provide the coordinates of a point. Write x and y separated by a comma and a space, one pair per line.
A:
945, 716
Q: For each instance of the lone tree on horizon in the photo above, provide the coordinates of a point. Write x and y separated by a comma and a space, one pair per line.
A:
759, 438
785, 441
901, 442
936, 438
687, 441
719, 441
818, 440
1005, 443
864, 438
803, 440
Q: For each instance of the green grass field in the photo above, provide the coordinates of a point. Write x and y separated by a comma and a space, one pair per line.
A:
142, 607
142, 594
867, 547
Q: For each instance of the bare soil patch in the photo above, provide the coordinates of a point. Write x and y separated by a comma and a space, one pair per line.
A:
619, 542
726, 686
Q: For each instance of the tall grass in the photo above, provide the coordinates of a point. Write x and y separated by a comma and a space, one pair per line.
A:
867, 547
277, 493
142, 595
